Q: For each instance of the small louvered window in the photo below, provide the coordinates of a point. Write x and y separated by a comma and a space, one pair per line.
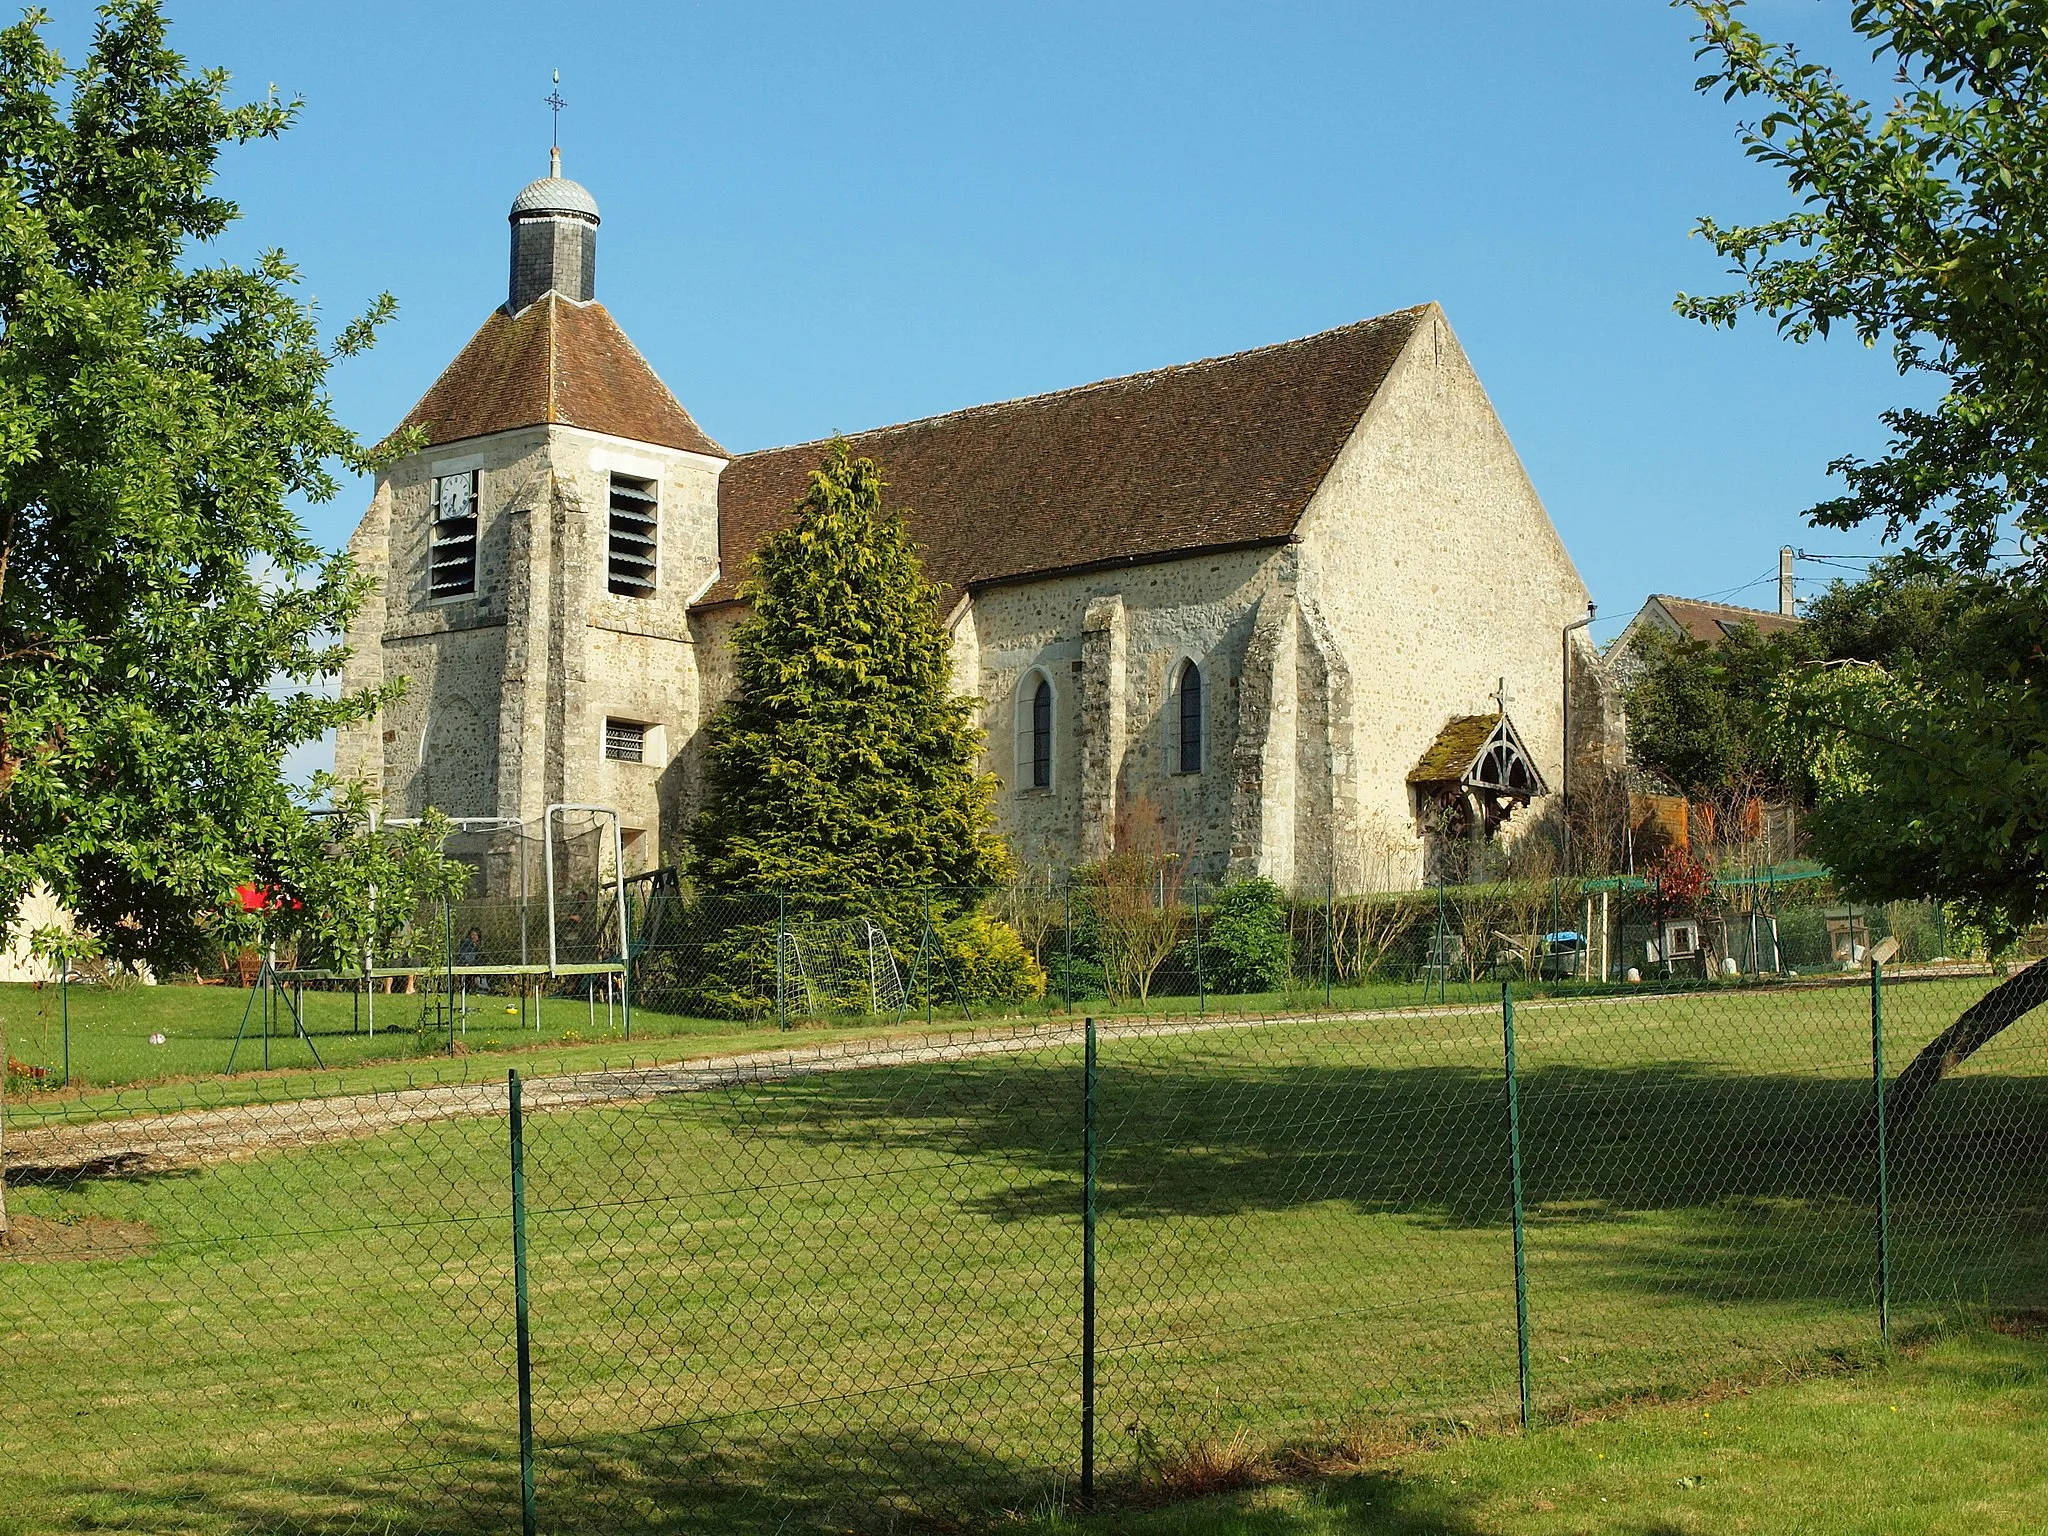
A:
635, 521
625, 741
451, 550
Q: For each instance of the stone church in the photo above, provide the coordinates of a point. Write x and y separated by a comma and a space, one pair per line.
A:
1301, 601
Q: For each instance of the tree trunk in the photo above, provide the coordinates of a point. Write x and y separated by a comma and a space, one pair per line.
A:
2005, 1004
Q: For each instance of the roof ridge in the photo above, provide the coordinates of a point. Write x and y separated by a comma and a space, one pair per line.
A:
1708, 602
1072, 390
554, 362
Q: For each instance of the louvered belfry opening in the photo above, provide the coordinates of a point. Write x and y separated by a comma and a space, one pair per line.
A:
451, 561
625, 741
635, 522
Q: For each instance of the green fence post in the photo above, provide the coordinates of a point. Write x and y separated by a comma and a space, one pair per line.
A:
1201, 981
529, 1521
931, 939
1088, 1066
1507, 1016
781, 943
64, 991
1884, 1219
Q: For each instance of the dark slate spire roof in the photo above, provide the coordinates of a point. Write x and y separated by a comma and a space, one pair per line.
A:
555, 362
1211, 455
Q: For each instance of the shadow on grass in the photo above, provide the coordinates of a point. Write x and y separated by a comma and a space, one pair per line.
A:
668, 1481
1765, 1174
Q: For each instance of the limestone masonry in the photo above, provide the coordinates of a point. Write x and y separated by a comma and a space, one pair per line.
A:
1270, 595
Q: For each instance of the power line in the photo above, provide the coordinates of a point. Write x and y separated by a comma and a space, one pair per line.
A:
1767, 578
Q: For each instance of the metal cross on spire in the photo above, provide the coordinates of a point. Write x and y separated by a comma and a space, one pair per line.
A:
554, 101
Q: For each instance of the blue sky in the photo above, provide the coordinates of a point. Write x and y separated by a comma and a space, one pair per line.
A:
829, 217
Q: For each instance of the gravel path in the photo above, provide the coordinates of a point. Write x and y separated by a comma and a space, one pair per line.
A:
152, 1143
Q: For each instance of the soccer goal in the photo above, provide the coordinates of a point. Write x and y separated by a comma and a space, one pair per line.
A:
545, 902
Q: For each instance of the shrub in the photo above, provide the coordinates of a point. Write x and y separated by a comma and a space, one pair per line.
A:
1245, 946
988, 961
716, 959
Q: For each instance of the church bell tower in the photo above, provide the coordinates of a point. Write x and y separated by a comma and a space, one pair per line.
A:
536, 558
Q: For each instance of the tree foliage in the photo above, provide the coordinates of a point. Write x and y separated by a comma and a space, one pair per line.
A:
844, 761
1703, 713
164, 618
1921, 224
1926, 763
359, 886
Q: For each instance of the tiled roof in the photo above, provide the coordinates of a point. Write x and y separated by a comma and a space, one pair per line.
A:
1209, 455
1451, 755
555, 362
1712, 621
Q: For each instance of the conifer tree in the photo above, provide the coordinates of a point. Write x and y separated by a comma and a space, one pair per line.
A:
845, 762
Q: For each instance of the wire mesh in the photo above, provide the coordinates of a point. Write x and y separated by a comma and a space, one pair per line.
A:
817, 1258
290, 1314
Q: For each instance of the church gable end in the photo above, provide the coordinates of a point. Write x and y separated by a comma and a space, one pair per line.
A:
1443, 581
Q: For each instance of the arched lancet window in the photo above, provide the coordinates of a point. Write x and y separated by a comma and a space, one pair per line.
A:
1034, 731
1041, 735
1188, 756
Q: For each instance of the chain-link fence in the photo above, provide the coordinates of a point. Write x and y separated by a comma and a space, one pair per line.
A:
979, 1274
530, 955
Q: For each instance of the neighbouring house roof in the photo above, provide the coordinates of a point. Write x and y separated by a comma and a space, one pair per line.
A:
1212, 455
556, 362
1715, 621
1482, 752
1710, 622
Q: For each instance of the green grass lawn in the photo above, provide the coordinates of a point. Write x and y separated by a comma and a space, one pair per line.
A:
1941, 1440
841, 1300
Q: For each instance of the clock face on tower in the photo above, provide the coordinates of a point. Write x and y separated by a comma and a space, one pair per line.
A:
456, 496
